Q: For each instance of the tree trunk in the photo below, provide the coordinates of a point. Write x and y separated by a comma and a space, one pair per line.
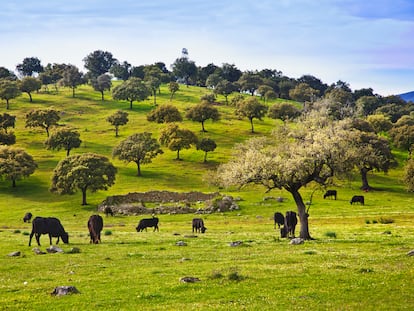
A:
14, 183
102, 95
30, 97
303, 216
364, 172
205, 157
138, 168
130, 105
73, 92
67, 152
84, 197
202, 127
7, 104
178, 155
116, 130
251, 123
47, 131
155, 98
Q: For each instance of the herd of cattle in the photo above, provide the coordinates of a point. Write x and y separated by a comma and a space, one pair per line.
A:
52, 226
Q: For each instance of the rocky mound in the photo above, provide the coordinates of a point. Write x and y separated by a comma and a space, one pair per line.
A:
168, 203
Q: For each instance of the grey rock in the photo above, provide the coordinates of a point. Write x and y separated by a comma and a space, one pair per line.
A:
37, 251
189, 279
297, 241
54, 249
64, 290
14, 254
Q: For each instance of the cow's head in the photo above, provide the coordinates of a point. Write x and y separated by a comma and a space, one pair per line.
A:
203, 229
65, 238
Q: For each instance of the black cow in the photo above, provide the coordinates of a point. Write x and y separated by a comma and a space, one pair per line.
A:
108, 211
148, 222
288, 230
198, 225
357, 199
330, 193
50, 226
95, 225
27, 217
279, 219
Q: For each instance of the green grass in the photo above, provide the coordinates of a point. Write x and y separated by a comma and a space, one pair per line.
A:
357, 261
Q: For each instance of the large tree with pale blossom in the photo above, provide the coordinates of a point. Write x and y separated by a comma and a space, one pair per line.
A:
313, 151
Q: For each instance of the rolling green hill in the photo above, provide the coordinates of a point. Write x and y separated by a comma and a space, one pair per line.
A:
358, 259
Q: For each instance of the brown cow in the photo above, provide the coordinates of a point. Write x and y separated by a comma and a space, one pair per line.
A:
95, 225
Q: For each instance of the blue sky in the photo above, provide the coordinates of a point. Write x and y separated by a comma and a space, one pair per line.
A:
365, 43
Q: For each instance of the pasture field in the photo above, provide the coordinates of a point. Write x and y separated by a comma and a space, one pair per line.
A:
357, 261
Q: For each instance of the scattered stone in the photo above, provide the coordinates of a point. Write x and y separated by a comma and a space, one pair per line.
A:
65, 290
54, 249
411, 253
176, 233
75, 250
14, 254
181, 243
235, 243
189, 279
297, 241
37, 251
191, 236
185, 259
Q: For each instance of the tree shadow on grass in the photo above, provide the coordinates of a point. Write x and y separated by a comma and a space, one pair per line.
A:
32, 188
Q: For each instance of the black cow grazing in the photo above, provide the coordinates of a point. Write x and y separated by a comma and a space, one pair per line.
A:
108, 211
50, 226
148, 222
330, 193
198, 225
288, 230
27, 217
95, 225
279, 219
357, 199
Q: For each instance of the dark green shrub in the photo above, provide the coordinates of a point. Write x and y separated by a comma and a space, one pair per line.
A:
330, 234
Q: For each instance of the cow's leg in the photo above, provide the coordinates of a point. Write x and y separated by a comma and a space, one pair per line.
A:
37, 235
30, 239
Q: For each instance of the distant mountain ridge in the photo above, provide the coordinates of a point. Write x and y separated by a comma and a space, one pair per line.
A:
407, 96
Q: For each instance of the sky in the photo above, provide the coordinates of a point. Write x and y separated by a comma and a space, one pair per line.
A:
368, 44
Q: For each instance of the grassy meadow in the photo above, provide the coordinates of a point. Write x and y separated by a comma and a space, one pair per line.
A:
358, 260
